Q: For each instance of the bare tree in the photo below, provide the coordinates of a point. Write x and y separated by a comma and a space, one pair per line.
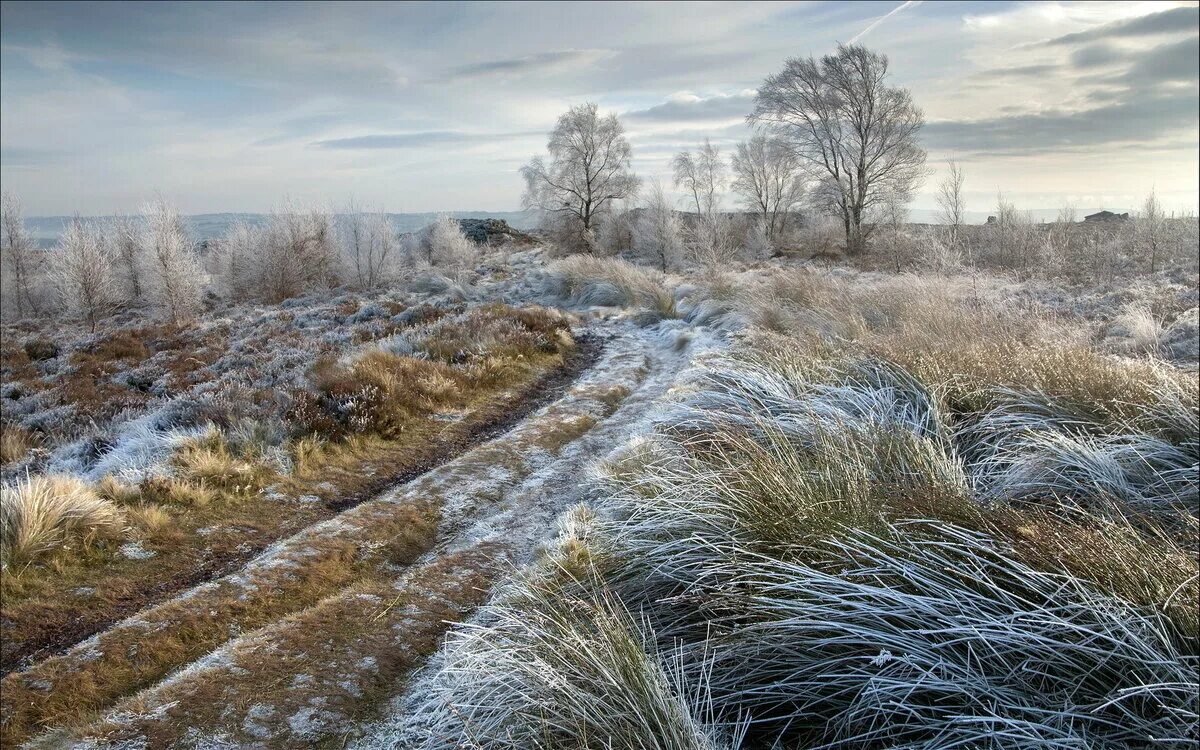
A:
768, 177
233, 262
951, 202
175, 276
297, 253
658, 230
1150, 229
84, 274
22, 260
893, 214
589, 168
370, 246
617, 230
713, 242
842, 118
702, 174
450, 250
125, 238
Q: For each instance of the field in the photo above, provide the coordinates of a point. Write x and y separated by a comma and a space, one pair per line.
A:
555, 500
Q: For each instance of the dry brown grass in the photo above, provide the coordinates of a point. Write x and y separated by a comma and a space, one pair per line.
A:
132, 655
396, 627
152, 519
209, 461
42, 513
16, 442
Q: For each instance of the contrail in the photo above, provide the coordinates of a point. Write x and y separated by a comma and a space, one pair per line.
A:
877, 21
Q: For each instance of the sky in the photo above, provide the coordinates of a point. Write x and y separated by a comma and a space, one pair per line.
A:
429, 107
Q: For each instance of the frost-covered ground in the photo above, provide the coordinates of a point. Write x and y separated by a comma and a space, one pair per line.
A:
360, 651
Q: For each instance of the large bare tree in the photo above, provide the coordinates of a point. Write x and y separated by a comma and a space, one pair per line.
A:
840, 115
702, 174
588, 169
768, 177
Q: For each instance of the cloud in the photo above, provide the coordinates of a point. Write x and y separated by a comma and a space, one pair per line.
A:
901, 7
1035, 70
1168, 63
1097, 55
28, 158
1141, 118
417, 140
687, 107
1170, 21
552, 61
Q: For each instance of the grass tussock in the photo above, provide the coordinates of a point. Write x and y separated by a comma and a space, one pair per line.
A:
210, 462
829, 550
611, 282
16, 443
39, 514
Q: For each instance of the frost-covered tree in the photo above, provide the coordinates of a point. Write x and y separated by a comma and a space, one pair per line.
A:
449, 249
21, 261
298, 253
952, 203
713, 242
175, 277
124, 237
702, 175
1150, 230
370, 248
1012, 239
840, 115
769, 179
85, 274
658, 232
588, 169
233, 261
617, 230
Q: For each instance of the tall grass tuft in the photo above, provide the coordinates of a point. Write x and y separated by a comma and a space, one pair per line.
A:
41, 513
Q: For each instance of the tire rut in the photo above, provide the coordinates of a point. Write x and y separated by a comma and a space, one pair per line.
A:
563, 417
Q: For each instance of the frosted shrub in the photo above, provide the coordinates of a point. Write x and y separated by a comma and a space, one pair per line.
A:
758, 244
297, 253
84, 274
370, 250
657, 234
175, 277
449, 249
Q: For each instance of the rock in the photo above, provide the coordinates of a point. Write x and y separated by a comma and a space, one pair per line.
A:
493, 232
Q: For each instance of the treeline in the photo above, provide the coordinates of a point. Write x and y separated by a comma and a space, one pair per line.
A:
834, 141
1147, 242
149, 262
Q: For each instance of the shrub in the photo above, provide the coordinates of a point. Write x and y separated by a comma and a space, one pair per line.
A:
40, 348
41, 513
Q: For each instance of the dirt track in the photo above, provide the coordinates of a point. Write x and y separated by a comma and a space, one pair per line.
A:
423, 554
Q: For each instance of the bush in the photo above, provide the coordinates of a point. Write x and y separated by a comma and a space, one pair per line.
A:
40, 349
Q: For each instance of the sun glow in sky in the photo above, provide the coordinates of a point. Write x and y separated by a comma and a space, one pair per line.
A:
427, 107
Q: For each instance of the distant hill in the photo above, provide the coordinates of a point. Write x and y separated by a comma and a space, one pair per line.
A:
47, 229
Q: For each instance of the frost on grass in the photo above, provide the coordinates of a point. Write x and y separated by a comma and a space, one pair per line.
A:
830, 554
